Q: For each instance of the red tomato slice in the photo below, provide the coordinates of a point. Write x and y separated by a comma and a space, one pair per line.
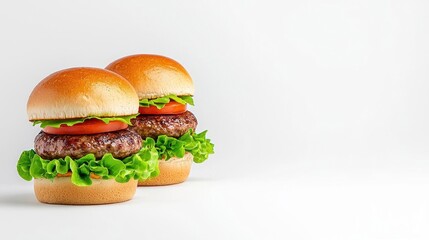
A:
172, 107
90, 126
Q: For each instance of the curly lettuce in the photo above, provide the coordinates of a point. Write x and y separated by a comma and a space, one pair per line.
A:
162, 101
70, 122
139, 166
196, 144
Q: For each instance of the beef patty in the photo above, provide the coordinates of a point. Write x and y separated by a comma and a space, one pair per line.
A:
119, 143
173, 125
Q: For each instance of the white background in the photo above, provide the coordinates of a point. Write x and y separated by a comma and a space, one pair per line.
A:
319, 111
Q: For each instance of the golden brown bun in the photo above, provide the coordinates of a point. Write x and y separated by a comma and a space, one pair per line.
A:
62, 191
175, 170
82, 92
154, 76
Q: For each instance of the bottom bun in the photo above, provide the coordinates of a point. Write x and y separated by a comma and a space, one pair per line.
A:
175, 170
62, 191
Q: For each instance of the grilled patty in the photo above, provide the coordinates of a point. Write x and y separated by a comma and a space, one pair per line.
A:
174, 125
119, 143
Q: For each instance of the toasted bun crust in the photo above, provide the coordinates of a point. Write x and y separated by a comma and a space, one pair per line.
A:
154, 76
62, 191
175, 170
82, 92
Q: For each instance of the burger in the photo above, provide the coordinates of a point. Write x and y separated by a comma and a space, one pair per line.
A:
85, 153
165, 88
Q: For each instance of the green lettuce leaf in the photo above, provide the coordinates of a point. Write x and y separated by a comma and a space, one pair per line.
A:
196, 144
70, 122
80, 175
24, 164
161, 101
139, 166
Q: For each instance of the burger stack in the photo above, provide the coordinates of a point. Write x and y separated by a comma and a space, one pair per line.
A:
106, 131
164, 89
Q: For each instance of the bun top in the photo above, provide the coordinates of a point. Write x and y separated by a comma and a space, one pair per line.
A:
154, 76
82, 92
